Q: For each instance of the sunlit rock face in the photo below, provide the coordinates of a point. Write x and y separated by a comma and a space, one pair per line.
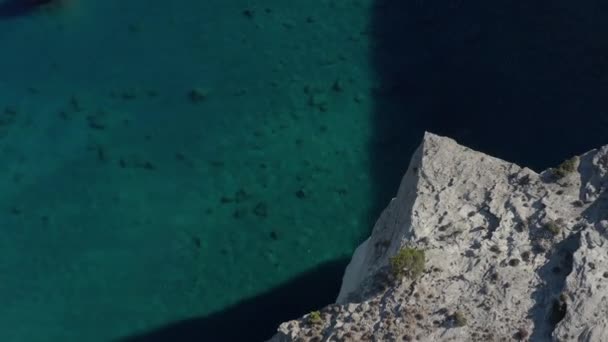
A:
510, 254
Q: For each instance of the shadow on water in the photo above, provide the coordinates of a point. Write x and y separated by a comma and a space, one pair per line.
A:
19, 8
257, 319
525, 81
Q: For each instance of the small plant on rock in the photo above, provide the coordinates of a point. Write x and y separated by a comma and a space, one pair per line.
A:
566, 167
408, 262
553, 227
315, 317
459, 319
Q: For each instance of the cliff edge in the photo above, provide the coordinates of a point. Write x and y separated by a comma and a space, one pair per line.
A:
504, 253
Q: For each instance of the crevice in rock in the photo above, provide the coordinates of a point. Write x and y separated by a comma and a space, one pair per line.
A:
593, 182
492, 220
550, 302
598, 210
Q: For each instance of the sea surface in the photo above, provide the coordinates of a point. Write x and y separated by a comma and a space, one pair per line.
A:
203, 170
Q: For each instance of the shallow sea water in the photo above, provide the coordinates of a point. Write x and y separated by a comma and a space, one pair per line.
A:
172, 170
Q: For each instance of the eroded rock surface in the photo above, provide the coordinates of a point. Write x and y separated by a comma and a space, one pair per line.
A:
510, 255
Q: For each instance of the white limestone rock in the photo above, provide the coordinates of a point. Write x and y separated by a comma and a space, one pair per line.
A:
520, 255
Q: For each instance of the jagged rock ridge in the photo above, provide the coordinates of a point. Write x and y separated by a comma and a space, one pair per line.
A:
510, 255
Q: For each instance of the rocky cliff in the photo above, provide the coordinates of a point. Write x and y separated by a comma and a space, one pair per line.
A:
505, 254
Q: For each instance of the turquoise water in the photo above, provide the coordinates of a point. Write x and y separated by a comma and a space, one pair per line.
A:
174, 169
127, 204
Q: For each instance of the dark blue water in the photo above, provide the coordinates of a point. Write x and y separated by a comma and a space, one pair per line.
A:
175, 169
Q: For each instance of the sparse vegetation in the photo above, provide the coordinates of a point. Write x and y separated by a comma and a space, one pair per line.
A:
459, 319
553, 227
408, 262
315, 317
566, 167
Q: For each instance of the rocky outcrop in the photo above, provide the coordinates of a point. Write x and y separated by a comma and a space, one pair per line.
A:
510, 255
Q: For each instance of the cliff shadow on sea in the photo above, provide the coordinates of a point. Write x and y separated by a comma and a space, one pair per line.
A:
20, 8
521, 81
257, 318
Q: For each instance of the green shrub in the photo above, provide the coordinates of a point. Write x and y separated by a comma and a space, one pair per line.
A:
315, 317
553, 227
459, 319
566, 167
408, 262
